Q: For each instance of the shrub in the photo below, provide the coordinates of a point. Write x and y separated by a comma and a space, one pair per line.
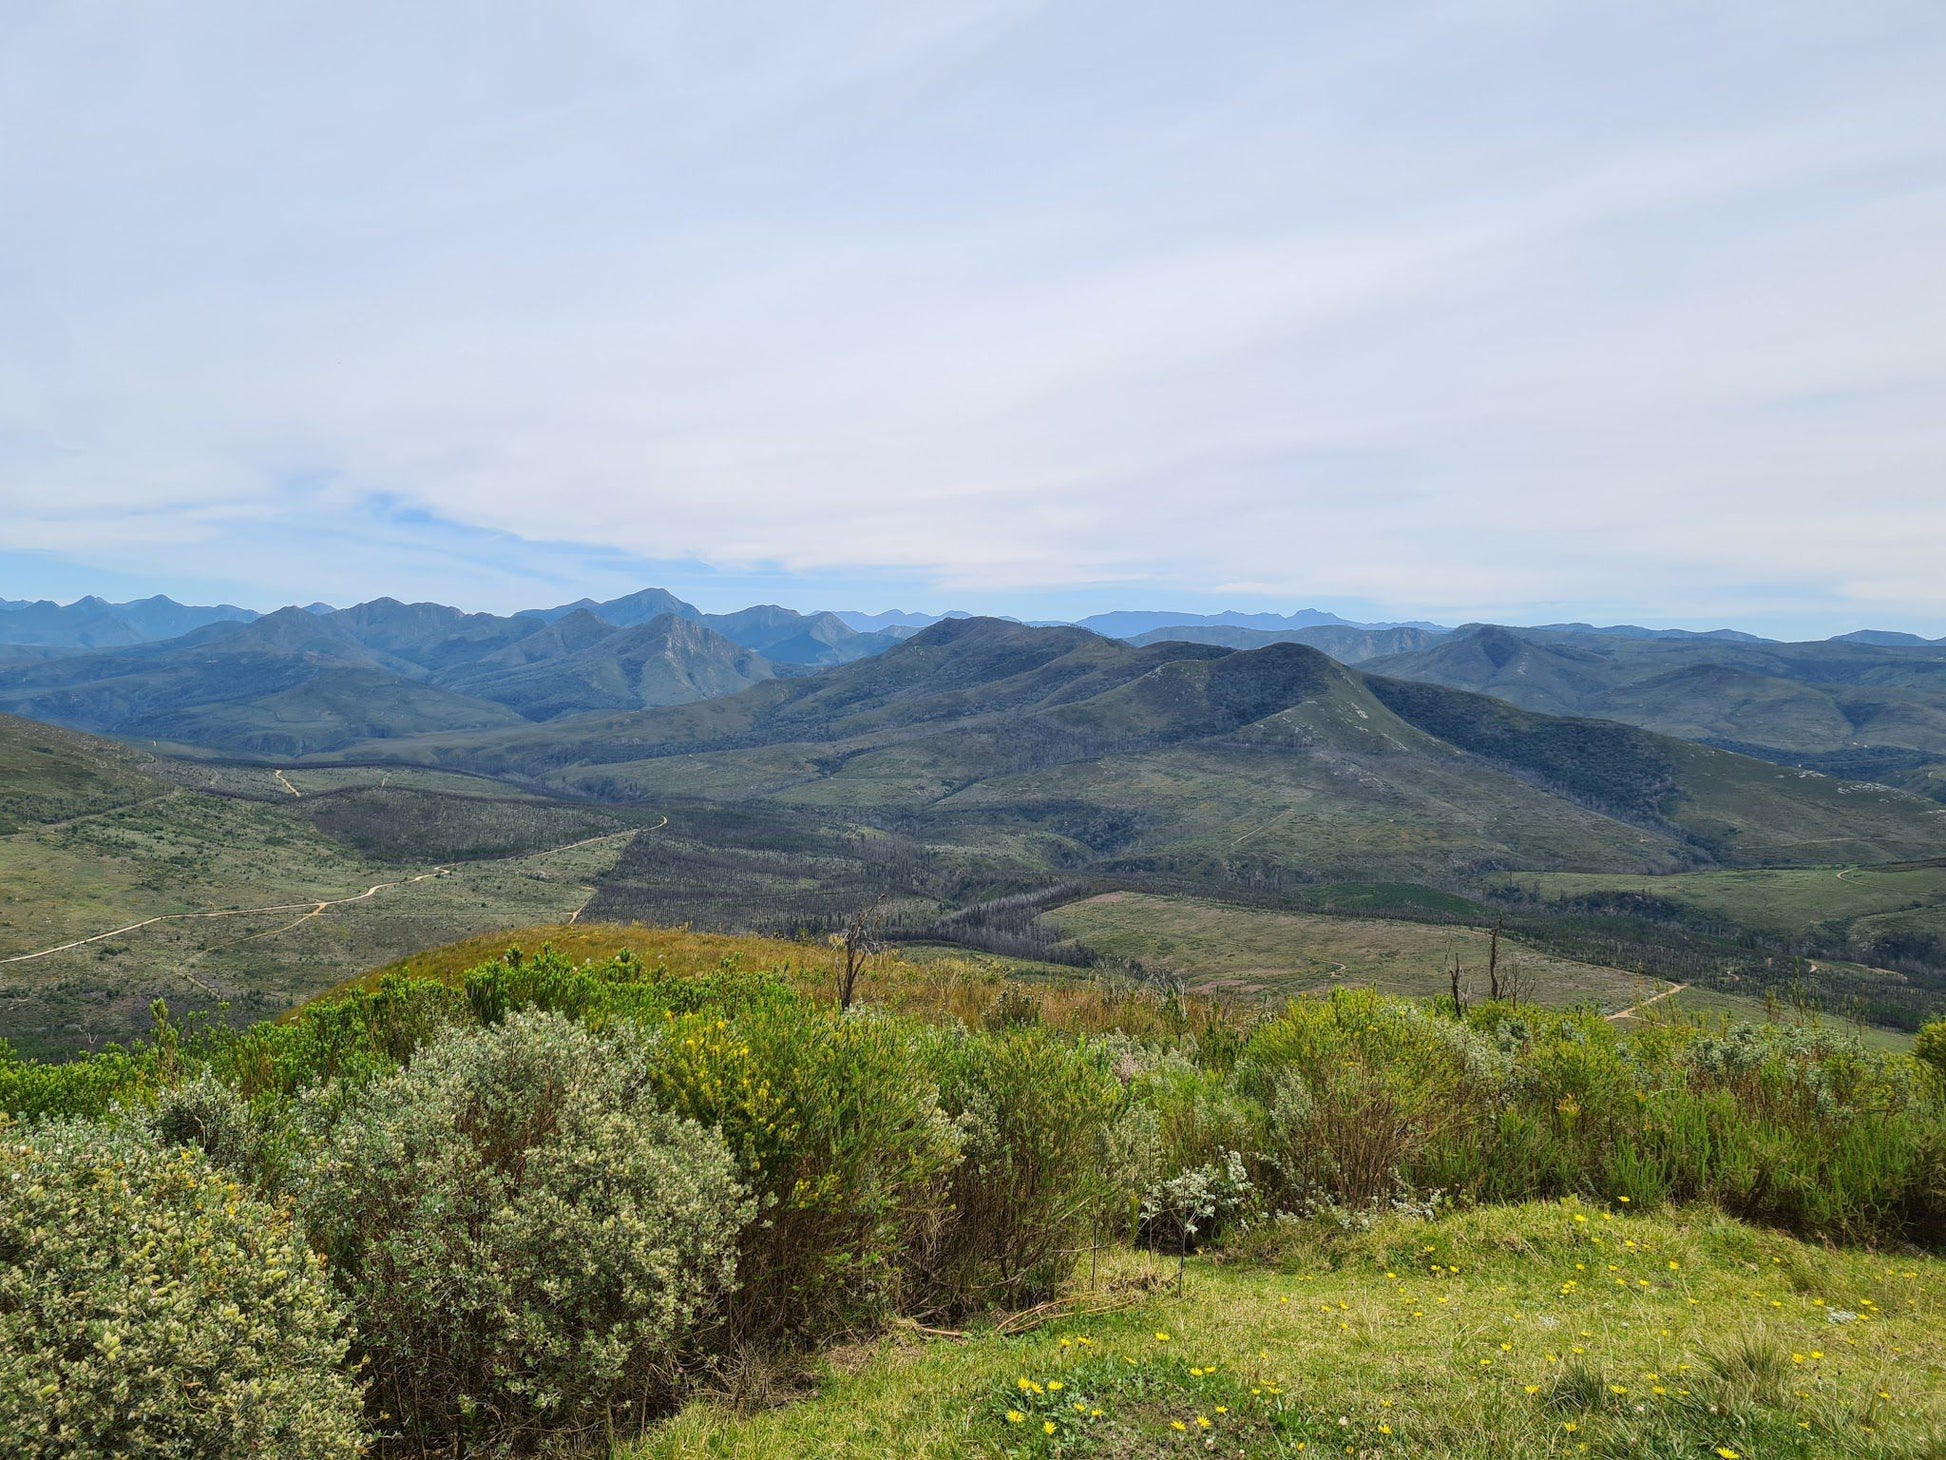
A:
356, 1036
525, 1235
89, 1087
1929, 1047
1186, 1211
836, 1128
1031, 1109
207, 1114
1387, 1084
149, 1307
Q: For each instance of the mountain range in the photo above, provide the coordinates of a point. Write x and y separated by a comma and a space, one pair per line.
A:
1066, 748
94, 623
972, 763
312, 680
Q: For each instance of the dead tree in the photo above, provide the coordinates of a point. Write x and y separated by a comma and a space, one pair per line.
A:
859, 941
1493, 959
1459, 992
1515, 985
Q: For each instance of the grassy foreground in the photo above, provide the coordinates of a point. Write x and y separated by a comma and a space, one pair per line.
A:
1542, 1329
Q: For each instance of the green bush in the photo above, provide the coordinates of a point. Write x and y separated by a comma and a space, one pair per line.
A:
1388, 1086
148, 1306
835, 1124
1031, 1109
1929, 1047
524, 1234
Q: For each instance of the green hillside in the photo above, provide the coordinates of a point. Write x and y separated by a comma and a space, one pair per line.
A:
296, 683
667, 661
1173, 757
119, 884
1847, 706
49, 775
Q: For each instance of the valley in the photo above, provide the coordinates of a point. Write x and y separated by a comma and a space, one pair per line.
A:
237, 907
1267, 815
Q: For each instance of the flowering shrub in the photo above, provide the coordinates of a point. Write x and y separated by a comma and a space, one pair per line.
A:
150, 1307
523, 1232
835, 1125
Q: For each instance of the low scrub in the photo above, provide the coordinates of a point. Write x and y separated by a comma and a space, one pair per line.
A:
150, 1307
524, 1234
555, 1191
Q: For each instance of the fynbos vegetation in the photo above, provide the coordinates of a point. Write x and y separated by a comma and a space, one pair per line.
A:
536, 1202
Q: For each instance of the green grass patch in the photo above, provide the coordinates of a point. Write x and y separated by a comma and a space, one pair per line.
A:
1545, 1329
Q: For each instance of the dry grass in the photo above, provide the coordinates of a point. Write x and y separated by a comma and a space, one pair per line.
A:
965, 989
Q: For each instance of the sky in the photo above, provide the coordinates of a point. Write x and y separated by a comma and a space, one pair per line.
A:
1627, 311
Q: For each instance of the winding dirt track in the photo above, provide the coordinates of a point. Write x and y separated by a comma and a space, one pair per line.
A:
313, 909
1674, 988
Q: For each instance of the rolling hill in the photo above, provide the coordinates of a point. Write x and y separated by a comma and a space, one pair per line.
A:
1270, 763
665, 661
126, 877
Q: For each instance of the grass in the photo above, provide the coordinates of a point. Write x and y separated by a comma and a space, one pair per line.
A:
1776, 899
1534, 1330
51, 775
1246, 951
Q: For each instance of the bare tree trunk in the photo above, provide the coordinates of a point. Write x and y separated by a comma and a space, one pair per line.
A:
861, 940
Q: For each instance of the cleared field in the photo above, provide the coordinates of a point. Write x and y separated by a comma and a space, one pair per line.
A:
278, 783
1245, 951
1776, 899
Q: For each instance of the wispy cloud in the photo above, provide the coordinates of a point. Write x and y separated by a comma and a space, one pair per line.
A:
1610, 310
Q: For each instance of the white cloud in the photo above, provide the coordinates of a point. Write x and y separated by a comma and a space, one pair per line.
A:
1512, 311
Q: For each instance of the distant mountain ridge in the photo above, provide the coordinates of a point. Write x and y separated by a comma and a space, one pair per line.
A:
1347, 643
1855, 705
94, 623
296, 682
1127, 624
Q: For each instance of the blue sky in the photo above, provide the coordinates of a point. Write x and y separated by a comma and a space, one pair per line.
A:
1618, 311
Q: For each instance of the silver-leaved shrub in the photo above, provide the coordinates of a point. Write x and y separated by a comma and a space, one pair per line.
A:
149, 1306
524, 1234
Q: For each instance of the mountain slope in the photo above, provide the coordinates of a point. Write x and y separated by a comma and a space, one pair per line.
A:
49, 775
1789, 699
290, 683
667, 661
301, 681
785, 636
1273, 762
